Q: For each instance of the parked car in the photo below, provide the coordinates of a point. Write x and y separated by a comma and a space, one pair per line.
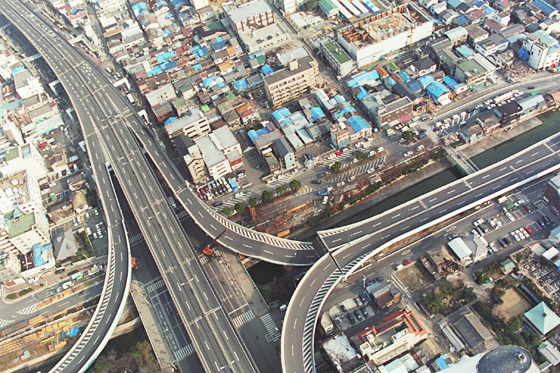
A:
351, 318
358, 315
315, 181
407, 262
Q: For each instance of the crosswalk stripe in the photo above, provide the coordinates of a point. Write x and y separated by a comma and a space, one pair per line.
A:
154, 286
4, 322
28, 310
184, 352
245, 317
268, 323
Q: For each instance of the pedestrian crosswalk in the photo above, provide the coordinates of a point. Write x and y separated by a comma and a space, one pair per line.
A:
28, 310
244, 318
183, 352
154, 286
272, 331
376, 164
134, 239
521, 198
4, 322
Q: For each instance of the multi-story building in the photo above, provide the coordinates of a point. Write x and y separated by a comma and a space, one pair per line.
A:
291, 82
552, 193
199, 4
110, 7
289, 6
225, 140
27, 85
496, 43
20, 191
337, 58
193, 158
194, 125
216, 162
389, 32
543, 49
474, 71
285, 154
23, 158
248, 16
340, 134
393, 113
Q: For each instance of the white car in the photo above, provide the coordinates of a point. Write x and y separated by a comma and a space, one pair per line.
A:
325, 200
371, 170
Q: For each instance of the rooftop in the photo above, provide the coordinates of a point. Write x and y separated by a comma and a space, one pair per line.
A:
251, 9
337, 52
21, 225
304, 64
542, 318
210, 152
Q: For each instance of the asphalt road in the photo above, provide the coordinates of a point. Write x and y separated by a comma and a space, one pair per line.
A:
215, 339
356, 241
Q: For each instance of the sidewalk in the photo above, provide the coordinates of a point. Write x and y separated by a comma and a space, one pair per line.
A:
148, 319
245, 282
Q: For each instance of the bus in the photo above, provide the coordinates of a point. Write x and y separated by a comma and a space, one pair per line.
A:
534, 93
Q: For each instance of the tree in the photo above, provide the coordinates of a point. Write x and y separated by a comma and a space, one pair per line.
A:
253, 202
267, 196
281, 190
445, 288
408, 135
146, 353
228, 211
514, 325
239, 207
336, 166
295, 185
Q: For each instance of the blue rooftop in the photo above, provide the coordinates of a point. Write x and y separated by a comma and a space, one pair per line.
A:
544, 6
358, 123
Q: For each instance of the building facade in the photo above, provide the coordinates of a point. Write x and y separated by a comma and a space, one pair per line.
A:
249, 16
291, 82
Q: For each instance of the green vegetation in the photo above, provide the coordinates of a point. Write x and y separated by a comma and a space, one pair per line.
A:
310, 5
295, 185
253, 202
141, 359
336, 166
448, 298
408, 135
84, 244
267, 196
281, 190
228, 211
360, 156
239, 207
439, 155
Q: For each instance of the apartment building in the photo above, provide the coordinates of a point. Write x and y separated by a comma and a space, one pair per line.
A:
27, 85
20, 191
543, 49
216, 162
194, 125
393, 113
291, 82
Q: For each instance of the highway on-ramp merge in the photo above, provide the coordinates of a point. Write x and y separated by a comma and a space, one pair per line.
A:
353, 245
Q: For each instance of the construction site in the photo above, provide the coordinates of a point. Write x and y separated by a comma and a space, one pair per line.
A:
387, 32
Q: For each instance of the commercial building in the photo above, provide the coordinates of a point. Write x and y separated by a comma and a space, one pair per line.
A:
193, 158
496, 43
193, 125
285, 154
225, 140
552, 193
396, 334
289, 6
262, 39
385, 33
507, 358
393, 113
291, 82
248, 16
474, 71
509, 112
337, 58
110, 7
543, 50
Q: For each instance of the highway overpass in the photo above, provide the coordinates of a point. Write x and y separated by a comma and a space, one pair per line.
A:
213, 335
353, 245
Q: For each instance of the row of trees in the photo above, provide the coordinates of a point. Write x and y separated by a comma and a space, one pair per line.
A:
266, 196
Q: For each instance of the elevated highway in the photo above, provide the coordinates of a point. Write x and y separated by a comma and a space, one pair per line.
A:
213, 335
351, 246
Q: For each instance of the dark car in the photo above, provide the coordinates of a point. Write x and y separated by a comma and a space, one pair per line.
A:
506, 240
351, 318
217, 203
379, 279
531, 87
342, 308
358, 315
315, 181
365, 312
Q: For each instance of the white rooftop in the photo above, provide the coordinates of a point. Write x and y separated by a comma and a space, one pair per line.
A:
460, 248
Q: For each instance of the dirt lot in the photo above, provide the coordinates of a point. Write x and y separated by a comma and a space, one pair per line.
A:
414, 277
514, 305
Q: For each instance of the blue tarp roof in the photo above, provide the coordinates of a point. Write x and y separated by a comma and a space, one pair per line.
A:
218, 46
523, 54
267, 70
451, 83
362, 78
488, 10
346, 108
363, 93
465, 51
170, 120
340, 99
253, 135
461, 20
199, 51
280, 114
414, 85
544, 6
436, 89
404, 76
317, 113
440, 362
357, 123
392, 82
240, 85
37, 258
454, 3
426, 80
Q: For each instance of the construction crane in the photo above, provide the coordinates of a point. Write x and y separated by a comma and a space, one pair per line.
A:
207, 250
